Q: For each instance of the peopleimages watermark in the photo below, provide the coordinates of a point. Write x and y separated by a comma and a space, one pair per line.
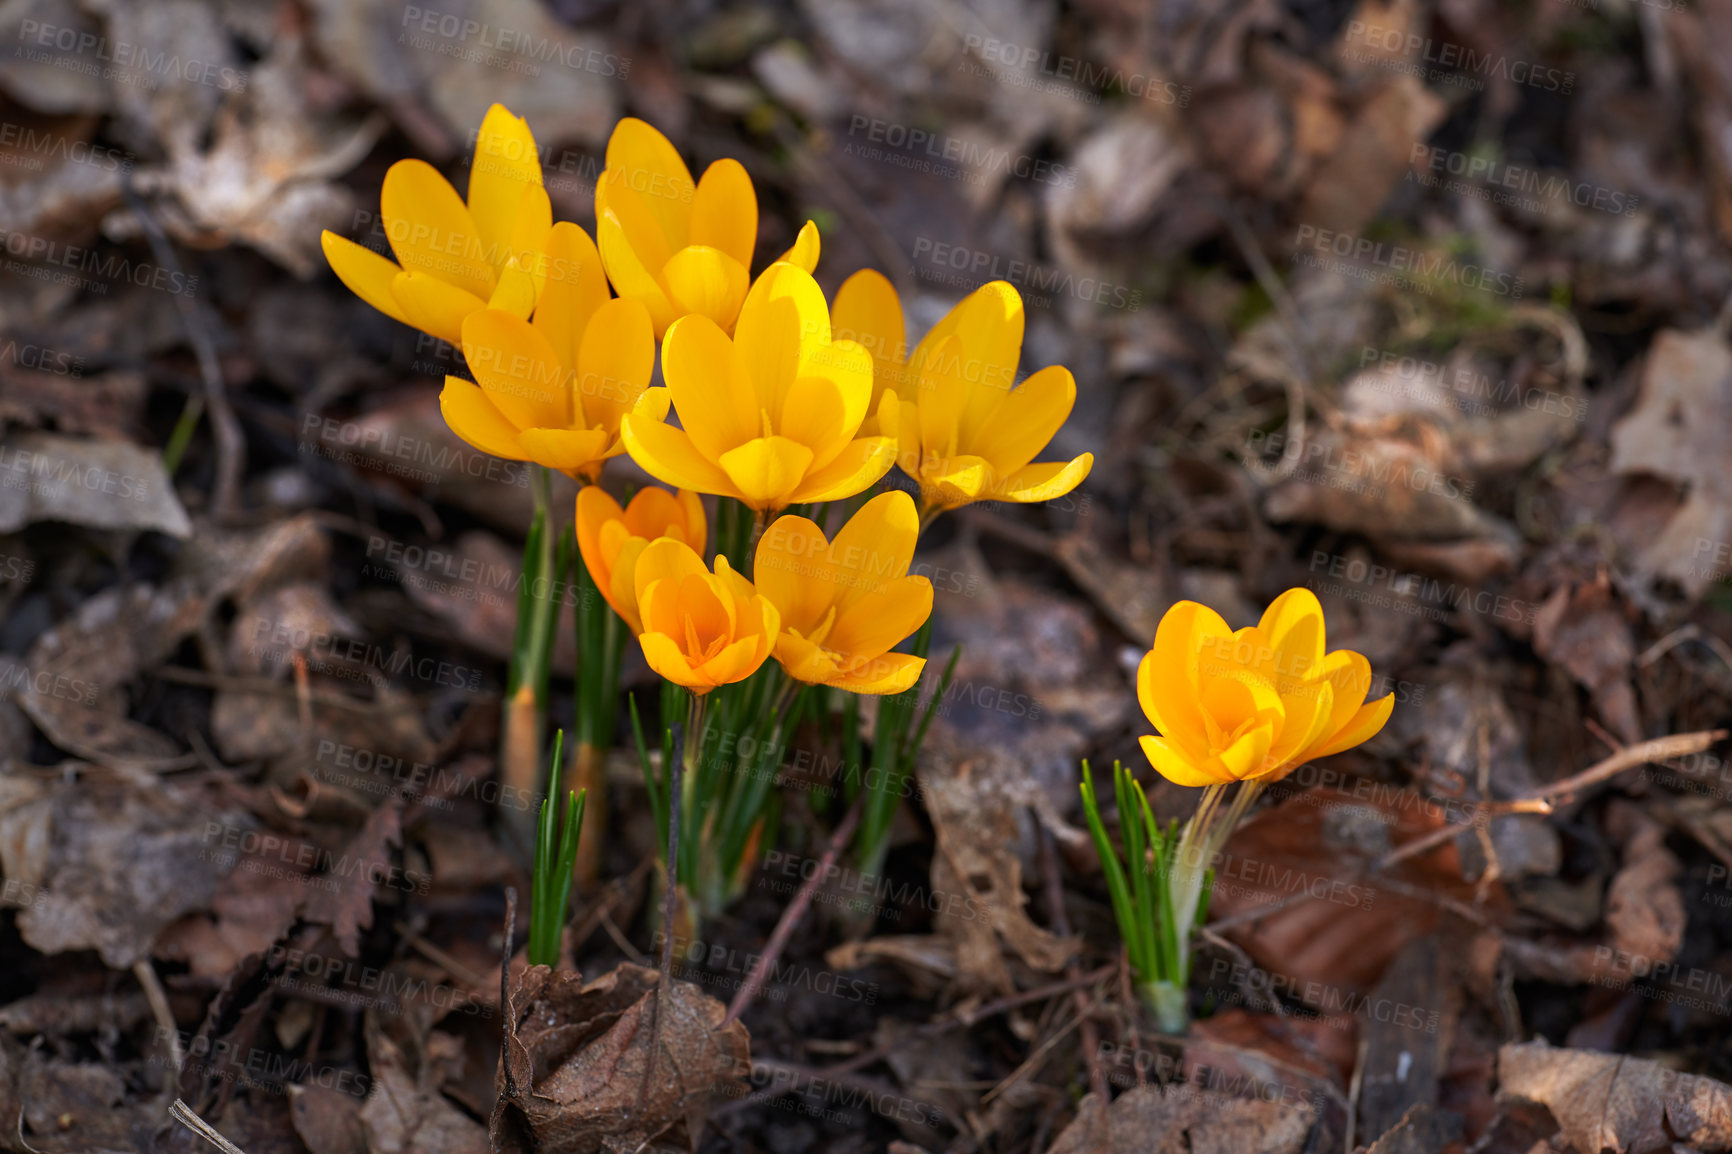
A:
1720, 565
1128, 1066
1665, 981
253, 1067
1360, 472
1520, 186
1472, 394
16, 569
365, 986
287, 858
1044, 71
368, 771
18, 893
562, 170
373, 446
31, 148
1259, 990
498, 46
454, 575
42, 359
957, 266
1394, 264
17, 677
1384, 587
47, 475
276, 643
119, 61
859, 891
716, 965
951, 157
1458, 64
70, 264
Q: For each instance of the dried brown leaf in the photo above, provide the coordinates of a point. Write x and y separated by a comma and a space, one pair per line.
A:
1616, 1103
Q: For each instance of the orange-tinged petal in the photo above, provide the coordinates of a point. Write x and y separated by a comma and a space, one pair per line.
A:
803, 660
518, 370
435, 306
573, 288
766, 470
876, 545
886, 673
472, 416
706, 281
804, 251
431, 231
367, 274
664, 655
667, 559
616, 362
725, 212
505, 163
621, 589
667, 453
1248, 756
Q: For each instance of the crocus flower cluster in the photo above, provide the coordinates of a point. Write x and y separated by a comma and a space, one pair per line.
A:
769, 396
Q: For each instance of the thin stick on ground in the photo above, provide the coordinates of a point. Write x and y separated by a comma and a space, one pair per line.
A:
791, 916
185, 1115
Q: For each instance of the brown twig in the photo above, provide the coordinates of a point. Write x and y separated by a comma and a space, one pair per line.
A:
1657, 750
504, 997
185, 1115
1091, 1035
791, 915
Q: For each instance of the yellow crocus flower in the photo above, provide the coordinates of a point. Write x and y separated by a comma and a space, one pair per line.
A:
700, 630
968, 431
1254, 704
612, 539
455, 257
553, 392
676, 246
845, 604
770, 416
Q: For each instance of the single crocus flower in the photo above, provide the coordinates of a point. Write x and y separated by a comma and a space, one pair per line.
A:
676, 246
612, 539
455, 257
844, 604
700, 630
553, 392
968, 431
1252, 704
770, 416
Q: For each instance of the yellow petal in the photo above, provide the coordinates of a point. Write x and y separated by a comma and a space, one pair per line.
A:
718, 407
431, 231
472, 417
793, 567
803, 660
766, 470
367, 274
574, 286
666, 658
435, 306
506, 162
667, 453
665, 559
621, 591
1293, 623
860, 465
804, 251
876, 546
725, 212
1026, 421
784, 313
616, 362
1248, 756
568, 450
886, 673
632, 277
518, 370
882, 618
868, 312
1176, 767
515, 292
530, 232
1044, 481
706, 281
1365, 724
643, 165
